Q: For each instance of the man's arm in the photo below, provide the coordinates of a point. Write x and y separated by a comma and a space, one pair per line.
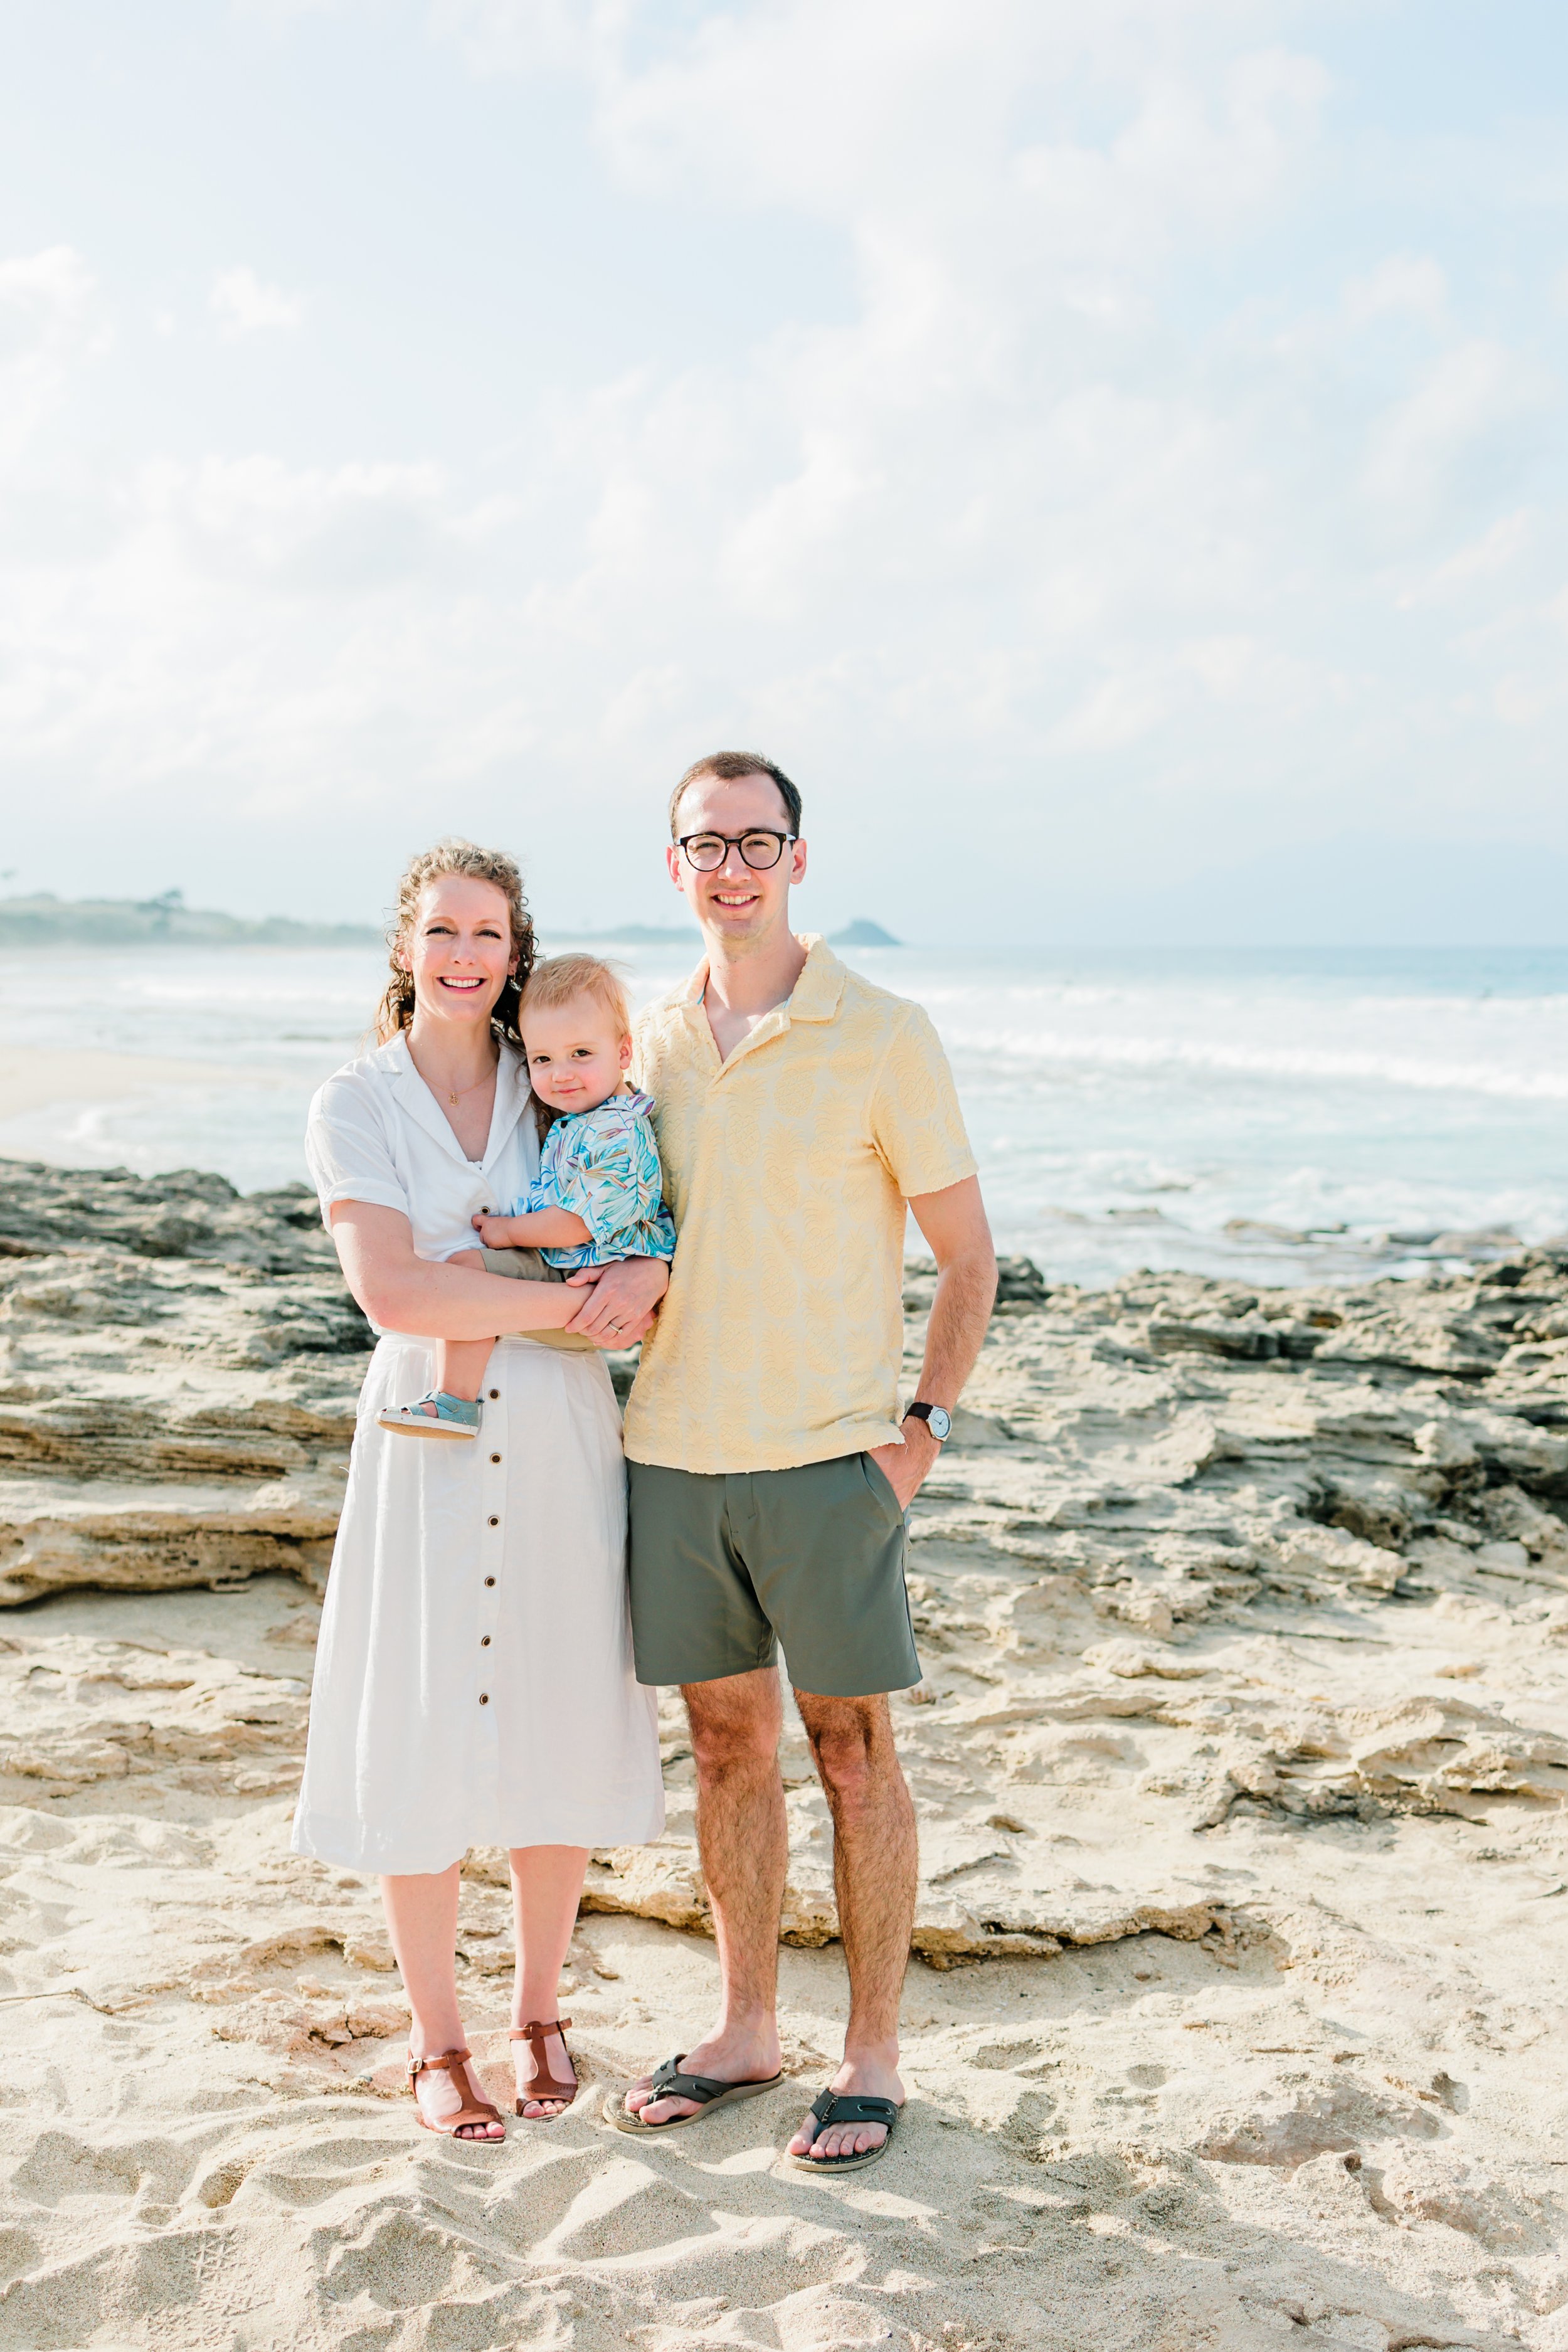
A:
622, 1299
953, 1223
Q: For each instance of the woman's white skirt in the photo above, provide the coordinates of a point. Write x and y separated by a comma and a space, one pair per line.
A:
474, 1682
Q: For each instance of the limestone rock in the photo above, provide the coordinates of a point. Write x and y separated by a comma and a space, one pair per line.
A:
179, 1367
1239, 1764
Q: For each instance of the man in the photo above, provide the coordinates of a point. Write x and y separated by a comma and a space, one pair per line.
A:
798, 1109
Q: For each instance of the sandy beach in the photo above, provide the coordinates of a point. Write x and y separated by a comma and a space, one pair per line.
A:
36, 1077
1235, 2017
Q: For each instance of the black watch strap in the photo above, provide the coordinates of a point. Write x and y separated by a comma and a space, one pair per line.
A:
936, 1417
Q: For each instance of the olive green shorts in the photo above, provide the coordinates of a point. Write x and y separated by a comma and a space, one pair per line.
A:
726, 1567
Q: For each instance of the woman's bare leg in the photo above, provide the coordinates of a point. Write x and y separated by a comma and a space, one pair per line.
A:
422, 1920
546, 1886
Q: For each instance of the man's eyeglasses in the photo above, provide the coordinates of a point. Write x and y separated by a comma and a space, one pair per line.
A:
760, 851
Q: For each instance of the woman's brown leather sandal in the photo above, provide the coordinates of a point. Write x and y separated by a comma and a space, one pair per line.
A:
474, 2111
544, 2084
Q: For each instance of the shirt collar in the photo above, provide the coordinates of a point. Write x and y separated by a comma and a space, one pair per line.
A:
415, 1096
816, 993
635, 1104
820, 988
513, 1094
511, 1097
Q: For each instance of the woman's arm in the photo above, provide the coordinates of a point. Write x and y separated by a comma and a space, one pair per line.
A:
405, 1293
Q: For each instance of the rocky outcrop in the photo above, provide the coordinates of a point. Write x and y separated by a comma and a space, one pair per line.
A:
1145, 1486
1240, 1760
179, 1366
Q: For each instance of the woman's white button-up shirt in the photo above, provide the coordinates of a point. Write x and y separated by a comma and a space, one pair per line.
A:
376, 1133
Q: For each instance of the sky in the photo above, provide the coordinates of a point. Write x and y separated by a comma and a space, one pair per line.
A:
1112, 457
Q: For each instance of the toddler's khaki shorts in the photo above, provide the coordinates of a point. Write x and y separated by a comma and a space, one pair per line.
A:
727, 1568
526, 1265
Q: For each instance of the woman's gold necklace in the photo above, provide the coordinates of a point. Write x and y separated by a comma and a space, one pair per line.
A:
456, 1099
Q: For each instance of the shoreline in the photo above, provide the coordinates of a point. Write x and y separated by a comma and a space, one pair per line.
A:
1122, 1114
40, 1077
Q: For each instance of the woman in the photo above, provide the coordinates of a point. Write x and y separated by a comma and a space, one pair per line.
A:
475, 1682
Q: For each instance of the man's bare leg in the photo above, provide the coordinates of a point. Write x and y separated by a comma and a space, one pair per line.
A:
875, 1873
743, 1840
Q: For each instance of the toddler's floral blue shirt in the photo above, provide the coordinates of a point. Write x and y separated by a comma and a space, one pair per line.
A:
602, 1165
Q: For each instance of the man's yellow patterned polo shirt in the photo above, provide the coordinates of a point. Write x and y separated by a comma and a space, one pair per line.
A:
788, 1168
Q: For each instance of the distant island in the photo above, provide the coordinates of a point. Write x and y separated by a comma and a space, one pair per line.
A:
44, 920
863, 933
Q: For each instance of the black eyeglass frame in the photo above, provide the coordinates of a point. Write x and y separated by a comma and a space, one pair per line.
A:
734, 841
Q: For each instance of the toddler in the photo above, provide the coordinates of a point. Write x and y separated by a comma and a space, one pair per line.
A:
598, 1195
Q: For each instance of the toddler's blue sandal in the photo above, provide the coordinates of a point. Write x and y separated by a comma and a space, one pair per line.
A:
849, 2108
453, 1416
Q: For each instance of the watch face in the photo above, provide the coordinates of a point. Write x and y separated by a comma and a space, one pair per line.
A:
940, 1423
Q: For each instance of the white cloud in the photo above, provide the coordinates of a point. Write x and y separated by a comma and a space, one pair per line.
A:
1413, 283
1473, 391
246, 620
282, 12
49, 325
1067, 500
508, 37
1496, 550
243, 305
43, 297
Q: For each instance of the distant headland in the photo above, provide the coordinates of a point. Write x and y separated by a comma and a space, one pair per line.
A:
43, 920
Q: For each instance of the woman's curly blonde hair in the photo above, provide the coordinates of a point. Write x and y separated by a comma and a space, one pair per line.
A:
395, 1010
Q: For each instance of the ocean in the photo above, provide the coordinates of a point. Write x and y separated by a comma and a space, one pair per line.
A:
1287, 1116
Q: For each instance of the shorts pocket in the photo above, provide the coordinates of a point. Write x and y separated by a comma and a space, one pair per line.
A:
881, 1486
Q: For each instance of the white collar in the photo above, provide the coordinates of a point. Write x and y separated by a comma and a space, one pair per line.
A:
512, 1096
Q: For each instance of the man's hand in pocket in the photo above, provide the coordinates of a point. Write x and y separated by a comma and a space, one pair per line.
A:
907, 1467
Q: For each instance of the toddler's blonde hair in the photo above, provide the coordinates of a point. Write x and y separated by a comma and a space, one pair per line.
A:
554, 981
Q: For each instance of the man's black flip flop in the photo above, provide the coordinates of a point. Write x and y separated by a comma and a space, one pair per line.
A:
670, 2082
849, 2108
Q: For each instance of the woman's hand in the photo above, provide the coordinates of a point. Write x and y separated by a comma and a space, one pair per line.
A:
622, 1300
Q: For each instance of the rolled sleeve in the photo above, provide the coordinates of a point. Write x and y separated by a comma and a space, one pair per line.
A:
348, 1152
917, 1127
590, 1182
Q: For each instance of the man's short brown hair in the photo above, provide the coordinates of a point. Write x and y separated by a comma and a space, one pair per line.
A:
729, 767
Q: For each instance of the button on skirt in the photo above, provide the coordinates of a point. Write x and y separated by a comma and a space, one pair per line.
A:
474, 1682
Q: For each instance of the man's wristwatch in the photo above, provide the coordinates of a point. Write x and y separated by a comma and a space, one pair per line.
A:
936, 1417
